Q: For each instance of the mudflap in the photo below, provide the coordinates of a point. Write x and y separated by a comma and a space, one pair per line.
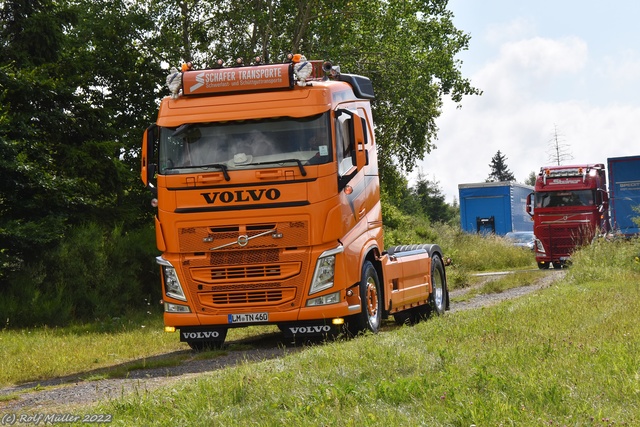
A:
202, 334
302, 330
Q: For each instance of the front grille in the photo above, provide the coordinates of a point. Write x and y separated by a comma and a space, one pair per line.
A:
245, 266
254, 297
245, 273
266, 236
245, 257
563, 240
247, 298
249, 272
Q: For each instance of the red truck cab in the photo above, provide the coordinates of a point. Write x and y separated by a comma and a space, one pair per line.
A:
569, 207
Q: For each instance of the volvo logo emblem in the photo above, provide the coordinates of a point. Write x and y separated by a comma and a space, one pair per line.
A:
243, 239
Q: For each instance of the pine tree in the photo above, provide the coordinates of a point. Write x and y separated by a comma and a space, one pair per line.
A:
499, 169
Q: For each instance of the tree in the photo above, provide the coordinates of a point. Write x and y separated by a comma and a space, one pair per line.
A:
407, 48
431, 200
558, 149
75, 93
531, 179
499, 169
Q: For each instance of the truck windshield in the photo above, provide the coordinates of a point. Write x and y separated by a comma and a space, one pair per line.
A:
550, 199
248, 144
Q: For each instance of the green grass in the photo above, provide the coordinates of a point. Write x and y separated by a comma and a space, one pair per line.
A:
500, 283
95, 351
471, 253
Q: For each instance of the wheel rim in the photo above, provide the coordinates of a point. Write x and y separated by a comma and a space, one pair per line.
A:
438, 289
372, 303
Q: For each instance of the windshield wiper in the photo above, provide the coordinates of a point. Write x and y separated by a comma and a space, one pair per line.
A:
276, 162
207, 166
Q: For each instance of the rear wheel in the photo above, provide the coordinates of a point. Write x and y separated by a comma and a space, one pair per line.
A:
438, 297
370, 316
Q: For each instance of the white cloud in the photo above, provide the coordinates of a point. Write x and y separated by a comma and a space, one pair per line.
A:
513, 30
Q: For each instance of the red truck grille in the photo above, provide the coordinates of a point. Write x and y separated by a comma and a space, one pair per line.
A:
562, 241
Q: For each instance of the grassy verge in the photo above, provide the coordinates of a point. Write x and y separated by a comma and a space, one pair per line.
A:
499, 284
93, 351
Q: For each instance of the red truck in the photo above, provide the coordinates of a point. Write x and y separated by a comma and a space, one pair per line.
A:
569, 207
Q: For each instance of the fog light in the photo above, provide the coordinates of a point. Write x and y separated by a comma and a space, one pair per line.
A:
333, 298
176, 308
169, 328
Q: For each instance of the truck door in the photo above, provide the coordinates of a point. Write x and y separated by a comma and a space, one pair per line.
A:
350, 139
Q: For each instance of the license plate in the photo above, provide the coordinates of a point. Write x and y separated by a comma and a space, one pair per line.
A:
248, 317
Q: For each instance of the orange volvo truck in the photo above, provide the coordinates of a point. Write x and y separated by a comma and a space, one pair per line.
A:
265, 180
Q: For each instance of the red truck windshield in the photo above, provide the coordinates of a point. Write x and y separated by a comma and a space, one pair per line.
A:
549, 199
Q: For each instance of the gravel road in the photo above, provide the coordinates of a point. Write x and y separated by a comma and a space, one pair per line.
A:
62, 394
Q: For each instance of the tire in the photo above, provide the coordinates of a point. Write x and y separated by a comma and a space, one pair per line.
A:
211, 344
438, 297
543, 265
370, 316
557, 265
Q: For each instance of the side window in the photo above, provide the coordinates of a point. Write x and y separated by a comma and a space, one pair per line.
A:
344, 145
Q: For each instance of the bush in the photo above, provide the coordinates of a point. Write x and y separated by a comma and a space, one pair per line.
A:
91, 274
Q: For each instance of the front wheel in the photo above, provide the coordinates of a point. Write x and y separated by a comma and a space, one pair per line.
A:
370, 316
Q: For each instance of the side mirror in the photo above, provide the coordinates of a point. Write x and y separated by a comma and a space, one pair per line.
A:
147, 169
529, 207
602, 201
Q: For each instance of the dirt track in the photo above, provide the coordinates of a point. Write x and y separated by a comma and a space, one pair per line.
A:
64, 393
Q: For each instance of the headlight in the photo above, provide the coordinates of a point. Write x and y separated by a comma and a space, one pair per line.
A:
539, 247
172, 286
325, 270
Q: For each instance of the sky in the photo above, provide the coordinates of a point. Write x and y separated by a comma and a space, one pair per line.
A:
565, 70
